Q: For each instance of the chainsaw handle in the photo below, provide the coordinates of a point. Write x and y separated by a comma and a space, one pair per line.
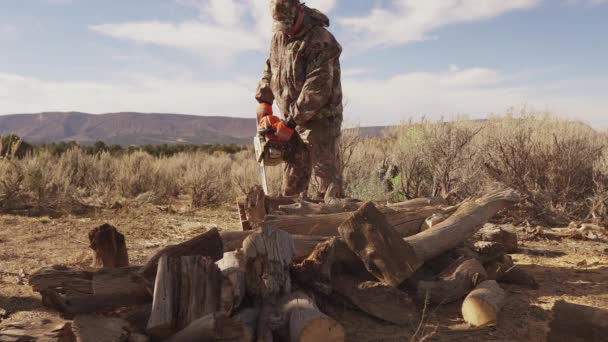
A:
265, 131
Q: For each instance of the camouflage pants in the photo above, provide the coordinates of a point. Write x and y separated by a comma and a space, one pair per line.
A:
316, 148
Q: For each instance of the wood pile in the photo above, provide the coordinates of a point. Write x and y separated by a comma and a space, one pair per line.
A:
271, 281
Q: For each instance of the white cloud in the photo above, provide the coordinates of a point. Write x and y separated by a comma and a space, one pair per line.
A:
7, 29
413, 20
370, 101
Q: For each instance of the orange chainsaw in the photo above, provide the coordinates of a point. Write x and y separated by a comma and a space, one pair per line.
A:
272, 144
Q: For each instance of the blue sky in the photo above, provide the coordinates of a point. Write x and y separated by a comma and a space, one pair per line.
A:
402, 58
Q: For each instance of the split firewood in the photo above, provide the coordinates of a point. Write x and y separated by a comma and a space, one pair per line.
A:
214, 327
330, 257
186, 289
269, 253
232, 266
405, 221
577, 323
208, 244
499, 235
504, 270
109, 247
376, 299
482, 305
455, 282
307, 322
460, 226
382, 250
74, 291
104, 329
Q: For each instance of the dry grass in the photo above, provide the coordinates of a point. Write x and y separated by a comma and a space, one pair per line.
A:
561, 167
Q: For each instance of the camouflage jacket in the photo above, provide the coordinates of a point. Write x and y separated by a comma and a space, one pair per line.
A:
303, 74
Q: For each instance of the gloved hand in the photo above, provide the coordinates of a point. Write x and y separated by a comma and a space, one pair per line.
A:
282, 131
290, 122
264, 109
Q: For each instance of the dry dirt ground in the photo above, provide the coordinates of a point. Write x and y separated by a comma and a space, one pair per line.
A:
576, 271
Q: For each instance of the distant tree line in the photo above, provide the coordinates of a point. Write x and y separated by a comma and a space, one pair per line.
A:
166, 150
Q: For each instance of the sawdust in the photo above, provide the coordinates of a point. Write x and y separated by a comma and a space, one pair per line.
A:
572, 270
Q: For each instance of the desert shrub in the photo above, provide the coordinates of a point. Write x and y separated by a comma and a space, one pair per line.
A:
11, 177
135, 174
362, 176
207, 179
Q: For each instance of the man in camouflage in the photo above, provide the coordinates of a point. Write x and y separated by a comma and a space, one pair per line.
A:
303, 75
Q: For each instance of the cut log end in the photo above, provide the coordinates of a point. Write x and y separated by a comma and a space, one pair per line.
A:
482, 305
322, 329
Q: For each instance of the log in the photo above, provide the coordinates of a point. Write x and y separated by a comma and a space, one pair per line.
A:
499, 235
577, 323
186, 289
460, 226
104, 329
454, 284
303, 244
481, 306
208, 244
307, 323
433, 220
419, 203
72, 291
232, 266
214, 327
376, 299
306, 208
489, 251
406, 222
47, 329
383, 252
109, 247
504, 270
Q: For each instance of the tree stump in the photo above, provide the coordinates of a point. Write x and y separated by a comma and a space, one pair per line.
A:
482, 305
109, 247
208, 244
186, 289
382, 250
454, 284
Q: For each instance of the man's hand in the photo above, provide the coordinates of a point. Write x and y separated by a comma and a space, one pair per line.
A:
290, 122
264, 109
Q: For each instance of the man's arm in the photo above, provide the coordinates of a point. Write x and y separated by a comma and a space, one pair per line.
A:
264, 93
318, 87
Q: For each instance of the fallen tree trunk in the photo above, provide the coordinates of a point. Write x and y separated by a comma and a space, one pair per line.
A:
307, 322
577, 323
481, 306
406, 222
214, 327
499, 235
460, 226
376, 299
109, 247
74, 291
454, 284
208, 244
383, 252
186, 289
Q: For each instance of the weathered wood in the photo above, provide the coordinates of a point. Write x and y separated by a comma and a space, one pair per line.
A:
214, 327
208, 244
499, 235
304, 244
460, 226
307, 323
382, 250
454, 284
232, 266
47, 329
419, 203
482, 305
433, 220
249, 317
186, 289
109, 247
73, 291
330, 257
104, 329
376, 299
577, 323
504, 270
406, 221
489, 251
306, 208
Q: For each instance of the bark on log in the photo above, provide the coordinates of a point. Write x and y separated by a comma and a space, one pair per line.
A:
109, 247
307, 323
214, 327
460, 226
73, 291
577, 323
208, 244
232, 266
499, 235
376, 299
482, 305
454, 284
383, 252
186, 289
406, 222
